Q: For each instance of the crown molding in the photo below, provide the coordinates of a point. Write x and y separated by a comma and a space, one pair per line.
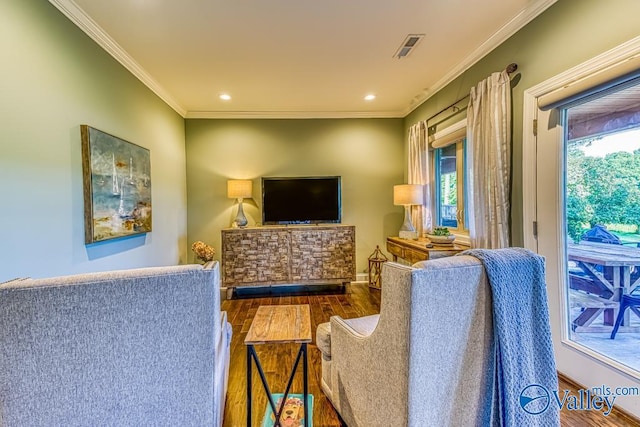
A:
294, 115
83, 21
72, 11
509, 29
616, 56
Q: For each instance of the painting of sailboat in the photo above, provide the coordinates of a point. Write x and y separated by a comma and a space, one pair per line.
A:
117, 186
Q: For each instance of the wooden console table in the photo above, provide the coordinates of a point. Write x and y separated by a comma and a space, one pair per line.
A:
294, 254
413, 251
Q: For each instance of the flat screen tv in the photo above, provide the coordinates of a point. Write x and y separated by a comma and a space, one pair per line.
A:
301, 200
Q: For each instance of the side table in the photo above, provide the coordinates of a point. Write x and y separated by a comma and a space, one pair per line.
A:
279, 324
416, 250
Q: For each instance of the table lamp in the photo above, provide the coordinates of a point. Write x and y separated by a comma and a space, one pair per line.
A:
407, 195
239, 189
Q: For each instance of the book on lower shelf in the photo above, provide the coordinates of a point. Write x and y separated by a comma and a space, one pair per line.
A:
292, 413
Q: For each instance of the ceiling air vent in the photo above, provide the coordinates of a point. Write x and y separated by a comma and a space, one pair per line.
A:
410, 42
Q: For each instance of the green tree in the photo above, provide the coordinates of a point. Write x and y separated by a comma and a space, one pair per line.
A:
578, 211
601, 190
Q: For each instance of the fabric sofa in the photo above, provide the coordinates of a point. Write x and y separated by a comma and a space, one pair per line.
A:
128, 348
423, 360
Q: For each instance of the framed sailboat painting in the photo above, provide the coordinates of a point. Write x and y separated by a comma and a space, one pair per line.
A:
116, 177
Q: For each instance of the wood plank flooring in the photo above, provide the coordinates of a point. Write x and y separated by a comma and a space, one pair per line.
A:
277, 360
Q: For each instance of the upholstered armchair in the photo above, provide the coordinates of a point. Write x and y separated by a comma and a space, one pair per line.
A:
424, 359
137, 347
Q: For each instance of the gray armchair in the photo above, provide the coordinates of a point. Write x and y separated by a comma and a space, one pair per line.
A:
424, 359
136, 347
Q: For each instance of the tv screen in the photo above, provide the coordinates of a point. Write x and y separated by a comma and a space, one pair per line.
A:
301, 200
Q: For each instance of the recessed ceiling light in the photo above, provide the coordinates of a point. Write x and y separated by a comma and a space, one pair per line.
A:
370, 97
225, 97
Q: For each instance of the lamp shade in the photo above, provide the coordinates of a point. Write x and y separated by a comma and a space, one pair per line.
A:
239, 188
408, 194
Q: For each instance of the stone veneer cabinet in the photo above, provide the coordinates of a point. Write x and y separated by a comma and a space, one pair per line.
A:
294, 254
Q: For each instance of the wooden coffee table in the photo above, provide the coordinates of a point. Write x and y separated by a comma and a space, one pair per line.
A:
279, 324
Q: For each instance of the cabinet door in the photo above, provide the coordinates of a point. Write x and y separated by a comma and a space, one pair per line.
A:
254, 257
338, 249
306, 254
323, 254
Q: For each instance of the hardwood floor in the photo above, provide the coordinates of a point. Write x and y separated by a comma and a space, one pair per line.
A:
277, 360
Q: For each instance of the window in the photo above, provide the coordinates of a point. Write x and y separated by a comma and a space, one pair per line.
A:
449, 178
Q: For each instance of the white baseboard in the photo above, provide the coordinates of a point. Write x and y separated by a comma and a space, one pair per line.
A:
361, 278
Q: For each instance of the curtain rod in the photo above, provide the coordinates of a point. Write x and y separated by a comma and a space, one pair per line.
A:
511, 68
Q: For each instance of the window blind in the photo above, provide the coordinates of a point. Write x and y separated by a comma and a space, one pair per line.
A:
450, 135
605, 78
606, 112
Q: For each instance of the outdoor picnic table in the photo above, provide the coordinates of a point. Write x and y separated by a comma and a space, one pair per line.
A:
614, 270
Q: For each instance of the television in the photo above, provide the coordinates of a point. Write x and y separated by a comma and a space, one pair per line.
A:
301, 200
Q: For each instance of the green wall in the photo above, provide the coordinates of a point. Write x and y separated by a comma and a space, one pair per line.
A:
567, 34
53, 78
367, 153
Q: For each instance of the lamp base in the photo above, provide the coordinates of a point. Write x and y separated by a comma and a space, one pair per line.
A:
411, 235
407, 231
241, 220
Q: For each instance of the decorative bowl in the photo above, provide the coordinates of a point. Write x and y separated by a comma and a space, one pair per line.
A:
439, 240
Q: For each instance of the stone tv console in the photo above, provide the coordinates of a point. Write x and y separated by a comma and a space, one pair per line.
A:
292, 254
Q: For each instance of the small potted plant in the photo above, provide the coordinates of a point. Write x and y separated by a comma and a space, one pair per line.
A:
441, 235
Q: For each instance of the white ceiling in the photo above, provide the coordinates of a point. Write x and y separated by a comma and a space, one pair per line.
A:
297, 58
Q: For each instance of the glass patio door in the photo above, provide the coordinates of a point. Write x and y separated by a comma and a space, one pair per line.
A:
602, 216
588, 219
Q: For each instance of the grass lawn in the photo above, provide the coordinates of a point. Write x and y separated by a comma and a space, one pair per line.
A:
627, 237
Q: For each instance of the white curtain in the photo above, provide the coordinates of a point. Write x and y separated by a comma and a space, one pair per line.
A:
489, 154
419, 173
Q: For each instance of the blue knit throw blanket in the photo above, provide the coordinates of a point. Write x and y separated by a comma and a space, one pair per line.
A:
524, 376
